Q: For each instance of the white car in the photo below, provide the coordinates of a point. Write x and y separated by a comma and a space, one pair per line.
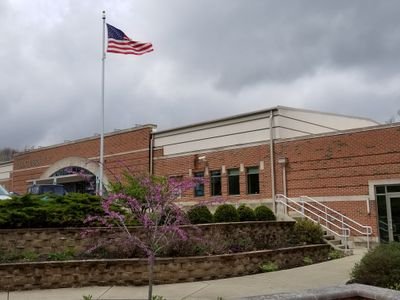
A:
4, 195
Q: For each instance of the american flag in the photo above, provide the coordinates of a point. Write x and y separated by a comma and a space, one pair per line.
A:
118, 42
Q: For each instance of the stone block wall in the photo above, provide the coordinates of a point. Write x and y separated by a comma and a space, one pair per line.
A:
45, 241
26, 276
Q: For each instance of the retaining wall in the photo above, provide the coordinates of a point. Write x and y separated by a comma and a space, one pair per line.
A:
26, 276
45, 241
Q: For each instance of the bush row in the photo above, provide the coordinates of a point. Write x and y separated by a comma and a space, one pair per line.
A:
71, 210
38, 211
228, 213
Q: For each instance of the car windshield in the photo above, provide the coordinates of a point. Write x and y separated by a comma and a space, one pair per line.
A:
3, 191
59, 190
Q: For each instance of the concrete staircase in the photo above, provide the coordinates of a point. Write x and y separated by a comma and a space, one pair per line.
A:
333, 240
339, 229
337, 243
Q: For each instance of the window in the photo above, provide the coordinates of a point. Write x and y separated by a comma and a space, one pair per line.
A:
253, 183
389, 188
380, 189
233, 182
215, 183
393, 188
199, 188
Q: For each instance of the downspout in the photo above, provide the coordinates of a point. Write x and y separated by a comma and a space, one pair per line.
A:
151, 153
271, 151
284, 179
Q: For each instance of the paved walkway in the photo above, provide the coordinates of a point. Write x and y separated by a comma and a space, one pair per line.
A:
314, 276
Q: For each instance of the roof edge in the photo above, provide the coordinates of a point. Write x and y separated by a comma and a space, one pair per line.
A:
257, 112
238, 116
97, 136
340, 132
328, 113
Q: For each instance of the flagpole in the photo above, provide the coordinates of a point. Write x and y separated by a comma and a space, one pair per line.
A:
103, 59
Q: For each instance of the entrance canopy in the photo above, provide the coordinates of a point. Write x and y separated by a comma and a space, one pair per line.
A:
57, 179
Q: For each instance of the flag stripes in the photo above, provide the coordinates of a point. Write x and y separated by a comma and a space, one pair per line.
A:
118, 42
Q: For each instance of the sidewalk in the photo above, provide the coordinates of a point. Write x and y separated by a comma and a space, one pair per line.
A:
314, 276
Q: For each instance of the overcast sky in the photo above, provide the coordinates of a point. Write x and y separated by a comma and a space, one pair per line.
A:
212, 59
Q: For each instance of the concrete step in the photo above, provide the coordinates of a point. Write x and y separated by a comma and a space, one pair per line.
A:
336, 242
329, 237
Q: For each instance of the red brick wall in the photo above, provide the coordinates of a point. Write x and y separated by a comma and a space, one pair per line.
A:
128, 148
357, 210
331, 165
340, 164
20, 179
336, 165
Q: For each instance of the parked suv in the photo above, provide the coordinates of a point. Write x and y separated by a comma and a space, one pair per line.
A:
4, 195
39, 189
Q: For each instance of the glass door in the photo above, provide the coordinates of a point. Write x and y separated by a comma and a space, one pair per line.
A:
394, 218
388, 204
382, 218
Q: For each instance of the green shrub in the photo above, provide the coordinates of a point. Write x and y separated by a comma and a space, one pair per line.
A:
379, 267
30, 256
18, 256
308, 232
263, 213
157, 297
269, 266
36, 211
307, 260
60, 256
335, 254
200, 215
246, 213
226, 213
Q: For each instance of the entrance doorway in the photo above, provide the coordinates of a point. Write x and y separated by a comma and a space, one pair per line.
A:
388, 203
76, 180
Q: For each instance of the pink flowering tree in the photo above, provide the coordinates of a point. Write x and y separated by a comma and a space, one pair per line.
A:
151, 202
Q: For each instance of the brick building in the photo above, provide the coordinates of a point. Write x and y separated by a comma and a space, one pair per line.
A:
75, 164
350, 164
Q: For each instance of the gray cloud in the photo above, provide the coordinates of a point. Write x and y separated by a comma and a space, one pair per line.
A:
211, 59
273, 41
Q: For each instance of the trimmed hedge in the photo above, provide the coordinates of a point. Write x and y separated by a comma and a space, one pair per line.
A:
200, 215
49, 210
246, 213
263, 213
226, 213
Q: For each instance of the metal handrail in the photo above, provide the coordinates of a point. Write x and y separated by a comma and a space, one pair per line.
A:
368, 228
345, 231
318, 216
342, 219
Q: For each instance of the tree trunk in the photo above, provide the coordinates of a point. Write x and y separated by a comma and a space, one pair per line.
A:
151, 273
